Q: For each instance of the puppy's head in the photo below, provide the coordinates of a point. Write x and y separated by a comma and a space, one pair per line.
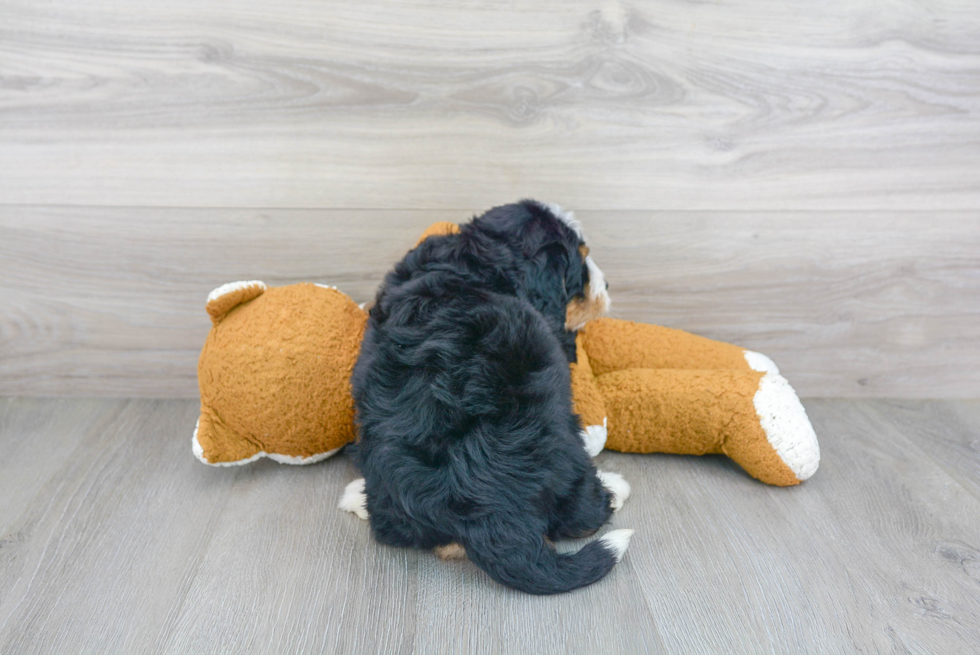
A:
593, 300
587, 289
559, 276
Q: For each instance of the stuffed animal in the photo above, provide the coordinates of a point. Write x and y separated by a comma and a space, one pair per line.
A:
275, 371
275, 374
659, 390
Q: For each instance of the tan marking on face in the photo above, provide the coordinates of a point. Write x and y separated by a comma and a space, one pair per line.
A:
450, 551
582, 310
594, 302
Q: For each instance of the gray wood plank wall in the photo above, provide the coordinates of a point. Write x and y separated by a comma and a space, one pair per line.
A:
109, 301
600, 104
800, 178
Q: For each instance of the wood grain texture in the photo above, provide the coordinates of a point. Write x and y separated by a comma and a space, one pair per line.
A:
948, 433
845, 104
121, 542
109, 301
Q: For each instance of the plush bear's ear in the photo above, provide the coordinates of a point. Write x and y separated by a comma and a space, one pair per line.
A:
228, 296
439, 229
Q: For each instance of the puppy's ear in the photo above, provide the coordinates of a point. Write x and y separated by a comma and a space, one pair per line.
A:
546, 288
545, 279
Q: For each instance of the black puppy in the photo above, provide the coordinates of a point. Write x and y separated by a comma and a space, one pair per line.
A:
468, 442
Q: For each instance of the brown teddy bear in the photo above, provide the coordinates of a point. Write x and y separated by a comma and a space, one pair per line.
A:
275, 371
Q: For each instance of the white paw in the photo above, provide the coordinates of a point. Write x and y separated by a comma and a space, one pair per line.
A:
617, 486
354, 499
784, 420
616, 542
594, 438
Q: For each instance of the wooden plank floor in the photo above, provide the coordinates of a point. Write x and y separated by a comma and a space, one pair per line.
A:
114, 539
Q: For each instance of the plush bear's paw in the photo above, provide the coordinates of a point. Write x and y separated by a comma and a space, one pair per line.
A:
594, 438
354, 499
784, 420
759, 362
617, 486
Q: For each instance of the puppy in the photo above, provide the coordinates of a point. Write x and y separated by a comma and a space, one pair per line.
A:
468, 442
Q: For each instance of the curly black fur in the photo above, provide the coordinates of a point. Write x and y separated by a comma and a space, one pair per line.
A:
463, 401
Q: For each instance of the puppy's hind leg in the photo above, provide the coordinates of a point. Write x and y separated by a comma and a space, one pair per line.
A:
590, 505
594, 438
617, 486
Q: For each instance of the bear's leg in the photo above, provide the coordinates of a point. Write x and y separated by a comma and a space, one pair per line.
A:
754, 418
617, 345
788, 432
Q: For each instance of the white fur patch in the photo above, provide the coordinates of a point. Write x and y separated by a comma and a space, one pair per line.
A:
616, 542
354, 499
759, 362
324, 286
597, 284
784, 420
594, 438
230, 287
617, 486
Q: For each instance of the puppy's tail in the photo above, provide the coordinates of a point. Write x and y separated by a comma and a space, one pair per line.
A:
533, 566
